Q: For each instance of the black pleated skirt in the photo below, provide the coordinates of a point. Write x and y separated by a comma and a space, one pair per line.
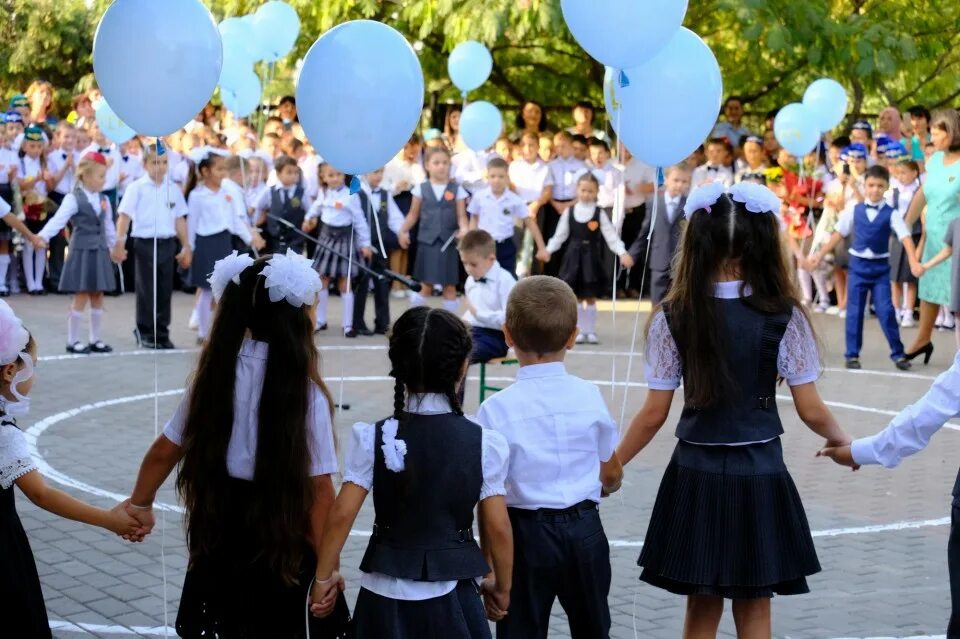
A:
326, 261
582, 269
728, 522
457, 615
87, 271
207, 251
899, 262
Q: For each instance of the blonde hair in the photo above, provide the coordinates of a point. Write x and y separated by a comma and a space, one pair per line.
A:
85, 166
541, 314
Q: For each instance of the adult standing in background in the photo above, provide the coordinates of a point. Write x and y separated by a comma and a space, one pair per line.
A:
40, 94
731, 128
583, 114
530, 119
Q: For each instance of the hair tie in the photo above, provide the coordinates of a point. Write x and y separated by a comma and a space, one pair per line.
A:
228, 270
394, 450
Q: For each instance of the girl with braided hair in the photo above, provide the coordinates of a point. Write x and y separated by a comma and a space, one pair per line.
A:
428, 467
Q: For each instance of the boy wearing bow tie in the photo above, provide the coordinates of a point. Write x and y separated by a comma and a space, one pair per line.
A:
487, 289
870, 223
61, 164
718, 151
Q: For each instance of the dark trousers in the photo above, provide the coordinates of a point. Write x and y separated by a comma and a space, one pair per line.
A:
953, 565
57, 249
548, 220
381, 298
659, 286
143, 267
558, 555
488, 344
873, 277
507, 255
632, 221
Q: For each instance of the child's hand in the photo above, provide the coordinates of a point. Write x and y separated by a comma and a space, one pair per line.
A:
309, 225
118, 254
366, 252
813, 262
840, 454
543, 255
626, 261
120, 521
495, 601
144, 518
38, 242
470, 307
185, 257
404, 240
257, 242
533, 208
323, 594
606, 491
918, 269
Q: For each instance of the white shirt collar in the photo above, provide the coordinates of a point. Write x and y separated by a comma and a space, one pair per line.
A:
550, 369
428, 404
730, 290
874, 205
93, 197
493, 274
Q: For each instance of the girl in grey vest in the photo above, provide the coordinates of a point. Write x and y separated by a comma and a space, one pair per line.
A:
728, 522
88, 271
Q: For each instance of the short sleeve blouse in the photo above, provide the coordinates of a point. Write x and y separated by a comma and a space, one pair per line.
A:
15, 458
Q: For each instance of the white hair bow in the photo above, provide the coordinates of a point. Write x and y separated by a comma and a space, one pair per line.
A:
228, 270
394, 450
13, 345
291, 277
755, 197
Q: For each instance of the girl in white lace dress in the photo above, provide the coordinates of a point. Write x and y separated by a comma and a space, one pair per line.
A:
728, 522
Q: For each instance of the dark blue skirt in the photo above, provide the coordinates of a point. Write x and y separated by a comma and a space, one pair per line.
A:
728, 522
458, 614
207, 251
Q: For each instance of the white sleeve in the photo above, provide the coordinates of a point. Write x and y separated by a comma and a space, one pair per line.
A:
179, 203
416, 191
798, 360
264, 200
323, 453
911, 430
475, 204
494, 462
608, 435
497, 316
315, 210
611, 236
394, 215
68, 208
664, 369
307, 200
110, 230
129, 201
461, 193
15, 458
173, 430
899, 226
193, 219
561, 233
845, 224
238, 221
520, 210
358, 463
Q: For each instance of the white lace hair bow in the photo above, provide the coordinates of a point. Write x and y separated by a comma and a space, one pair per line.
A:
228, 270
755, 197
13, 345
394, 450
291, 277
201, 153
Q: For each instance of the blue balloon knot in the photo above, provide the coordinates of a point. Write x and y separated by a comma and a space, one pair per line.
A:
624, 80
160, 148
354, 185
659, 176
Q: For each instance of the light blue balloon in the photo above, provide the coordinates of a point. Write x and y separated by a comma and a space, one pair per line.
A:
242, 98
480, 125
671, 103
827, 101
236, 63
239, 34
111, 125
623, 33
360, 95
157, 63
469, 65
796, 130
277, 26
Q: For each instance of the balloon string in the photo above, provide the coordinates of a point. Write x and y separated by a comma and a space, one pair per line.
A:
156, 395
619, 214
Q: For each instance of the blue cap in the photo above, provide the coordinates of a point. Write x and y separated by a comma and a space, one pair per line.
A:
19, 101
863, 125
883, 143
432, 134
33, 133
894, 151
12, 117
854, 152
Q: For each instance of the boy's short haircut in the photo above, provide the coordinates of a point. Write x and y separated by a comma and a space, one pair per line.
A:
841, 142
497, 163
233, 163
478, 242
562, 135
910, 164
724, 142
283, 162
878, 172
530, 137
680, 167
579, 139
595, 142
585, 104
541, 314
920, 111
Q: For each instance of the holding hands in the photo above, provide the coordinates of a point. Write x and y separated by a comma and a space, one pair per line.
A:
840, 452
496, 601
324, 593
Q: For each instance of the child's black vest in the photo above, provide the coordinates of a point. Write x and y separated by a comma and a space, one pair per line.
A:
289, 209
751, 350
377, 217
438, 218
88, 228
424, 514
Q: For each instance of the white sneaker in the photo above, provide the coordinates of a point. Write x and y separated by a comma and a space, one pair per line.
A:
842, 314
592, 338
398, 294
907, 321
949, 323
194, 322
820, 309
581, 338
833, 310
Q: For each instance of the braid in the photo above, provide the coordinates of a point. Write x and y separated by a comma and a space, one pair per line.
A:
451, 394
399, 396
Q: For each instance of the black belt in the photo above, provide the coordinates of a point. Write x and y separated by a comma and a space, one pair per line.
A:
578, 510
461, 536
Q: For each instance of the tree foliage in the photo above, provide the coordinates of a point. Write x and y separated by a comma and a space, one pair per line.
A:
897, 52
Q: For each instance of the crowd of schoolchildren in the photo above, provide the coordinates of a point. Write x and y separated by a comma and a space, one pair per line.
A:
252, 441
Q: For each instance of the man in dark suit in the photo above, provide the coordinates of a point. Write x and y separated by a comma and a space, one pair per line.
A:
666, 232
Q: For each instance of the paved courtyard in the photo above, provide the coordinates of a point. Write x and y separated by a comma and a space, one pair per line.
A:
881, 535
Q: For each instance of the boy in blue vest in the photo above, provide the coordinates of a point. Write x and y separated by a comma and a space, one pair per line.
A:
871, 222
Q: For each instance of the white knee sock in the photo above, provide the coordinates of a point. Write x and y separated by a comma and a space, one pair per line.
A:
204, 313
823, 292
590, 318
451, 305
806, 285
73, 326
27, 258
416, 299
581, 320
39, 267
96, 323
347, 300
4, 266
322, 299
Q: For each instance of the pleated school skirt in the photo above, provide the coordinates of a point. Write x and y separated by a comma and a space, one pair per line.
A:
87, 271
457, 615
328, 263
728, 522
207, 251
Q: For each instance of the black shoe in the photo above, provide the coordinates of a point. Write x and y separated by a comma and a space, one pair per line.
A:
100, 347
853, 364
350, 334
4, 293
381, 331
322, 327
165, 345
149, 345
903, 364
78, 349
926, 351
363, 332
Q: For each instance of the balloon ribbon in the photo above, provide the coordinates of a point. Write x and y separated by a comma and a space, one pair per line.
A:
624, 80
354, 185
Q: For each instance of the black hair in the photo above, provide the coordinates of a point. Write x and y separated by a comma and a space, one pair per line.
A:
585, 104
579, 137
772, 113
841, 142
732, 98
598, 142
878, 172
281, 490
288, 99
920, 111
521, 125
196, 171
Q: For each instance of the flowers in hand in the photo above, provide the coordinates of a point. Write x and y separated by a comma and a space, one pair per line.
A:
228, 270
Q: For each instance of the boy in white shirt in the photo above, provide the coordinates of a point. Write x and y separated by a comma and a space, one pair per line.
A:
609, 176
562, 441
487, 288
717, 150
61, 164
495, 210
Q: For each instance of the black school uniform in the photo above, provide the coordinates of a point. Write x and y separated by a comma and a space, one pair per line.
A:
290, 208
581, 267
375, 207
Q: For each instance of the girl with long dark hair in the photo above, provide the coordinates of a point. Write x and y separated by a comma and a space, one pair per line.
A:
255, 444
728, 522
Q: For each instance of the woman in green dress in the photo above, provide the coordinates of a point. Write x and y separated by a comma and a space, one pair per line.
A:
941, 196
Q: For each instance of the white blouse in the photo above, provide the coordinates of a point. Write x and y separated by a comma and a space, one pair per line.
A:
583, 213
15, 458
210, 212
242, 449
530, 178
358, 470
438, 189
69, 207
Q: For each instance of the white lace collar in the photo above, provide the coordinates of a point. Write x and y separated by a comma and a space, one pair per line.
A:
730, 290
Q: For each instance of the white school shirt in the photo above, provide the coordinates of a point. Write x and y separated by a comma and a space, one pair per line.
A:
583, 213
470, 168
610, 179
673, 207
395, 217
210, 212
711, 173
339, 207
399, 170
559, 431
497, 214
4, 207
178, 168
529, 179
910, 431
265, 199
112, 153
15, 458
309, 166
253, 194
489, 298
68, 208
8, 159
906, 195
635, 174
563, 175
153, 208
358, 470
798, 361
242, 449
27, 167
438, 190
131, 166
845, 227
55, 161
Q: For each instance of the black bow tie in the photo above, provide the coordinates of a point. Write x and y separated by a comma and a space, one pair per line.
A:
126, 157
482, 280
712, 169
104, 150
64, 155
